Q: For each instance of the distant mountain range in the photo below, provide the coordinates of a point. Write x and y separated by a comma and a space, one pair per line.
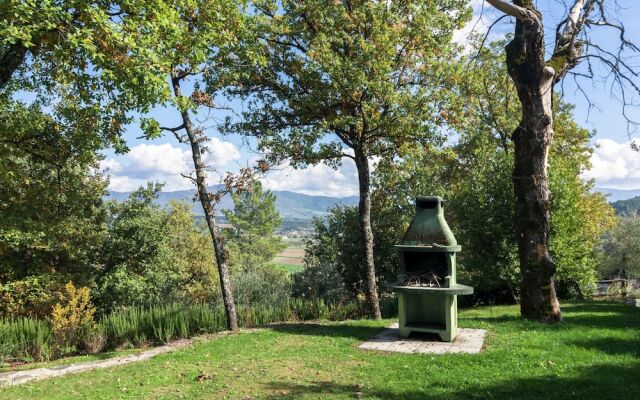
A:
291, 205
618, 194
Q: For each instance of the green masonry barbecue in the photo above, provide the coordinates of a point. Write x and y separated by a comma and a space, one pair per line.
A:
427, 288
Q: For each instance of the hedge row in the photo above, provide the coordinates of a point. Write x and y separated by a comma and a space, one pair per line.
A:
29, 339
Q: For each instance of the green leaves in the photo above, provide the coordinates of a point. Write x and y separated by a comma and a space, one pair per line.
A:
365, 75
151, 128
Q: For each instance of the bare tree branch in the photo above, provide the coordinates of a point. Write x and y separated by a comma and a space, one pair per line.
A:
518, 12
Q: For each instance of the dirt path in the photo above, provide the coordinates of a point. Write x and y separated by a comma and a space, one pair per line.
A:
20, 377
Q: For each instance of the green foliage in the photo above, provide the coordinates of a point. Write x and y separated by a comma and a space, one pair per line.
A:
320, 280
50, 199
252, 245
76, 57
33, 296
628, 207
154, 255
620, 250
262, 283
254, 218
334, 268
191, 258
364, 76
25, 338
135, 254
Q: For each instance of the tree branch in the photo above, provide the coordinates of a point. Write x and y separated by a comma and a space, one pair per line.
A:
509, 8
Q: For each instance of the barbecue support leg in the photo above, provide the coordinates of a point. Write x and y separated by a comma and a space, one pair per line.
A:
402, 316
451, 316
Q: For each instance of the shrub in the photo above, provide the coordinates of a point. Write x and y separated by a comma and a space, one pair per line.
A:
141, 326
29, 297
260, 284
25, 338
73, 312
92, 339
320, 280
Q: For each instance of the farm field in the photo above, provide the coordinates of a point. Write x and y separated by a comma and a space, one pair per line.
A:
291, 256
291, 259
593, 354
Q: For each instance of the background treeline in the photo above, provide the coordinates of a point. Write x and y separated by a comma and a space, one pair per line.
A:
628, 207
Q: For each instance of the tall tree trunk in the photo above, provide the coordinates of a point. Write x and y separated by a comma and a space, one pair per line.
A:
366, 234
534, 82
216, 237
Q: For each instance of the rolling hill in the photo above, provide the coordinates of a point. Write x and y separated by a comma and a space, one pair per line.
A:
291, 205
628, 207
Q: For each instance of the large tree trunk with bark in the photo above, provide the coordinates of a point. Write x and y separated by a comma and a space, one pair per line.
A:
219, 247
366, 233
534, 82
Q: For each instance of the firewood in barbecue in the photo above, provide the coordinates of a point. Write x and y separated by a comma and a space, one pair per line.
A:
423, 279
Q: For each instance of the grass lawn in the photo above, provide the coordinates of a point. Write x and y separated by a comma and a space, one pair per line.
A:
290, 268
594, 354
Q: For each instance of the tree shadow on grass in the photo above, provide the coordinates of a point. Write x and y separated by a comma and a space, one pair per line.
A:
612, 346
331, 330
585, 314
602, 315
596, 382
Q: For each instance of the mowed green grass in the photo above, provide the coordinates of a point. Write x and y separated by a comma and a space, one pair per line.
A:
593, 354
290, 268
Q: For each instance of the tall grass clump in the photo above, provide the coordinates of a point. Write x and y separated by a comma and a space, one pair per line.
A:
25, 339
140, 326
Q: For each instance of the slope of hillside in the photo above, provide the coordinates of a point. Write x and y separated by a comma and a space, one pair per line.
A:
289, 204
627, 207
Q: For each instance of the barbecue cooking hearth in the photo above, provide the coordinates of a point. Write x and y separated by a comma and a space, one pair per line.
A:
427, 288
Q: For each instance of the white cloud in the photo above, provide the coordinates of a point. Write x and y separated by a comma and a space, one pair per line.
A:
110, 165
614, 165
163, 163
483, 16
317, 180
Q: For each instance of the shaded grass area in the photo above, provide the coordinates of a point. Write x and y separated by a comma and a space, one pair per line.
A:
594, 354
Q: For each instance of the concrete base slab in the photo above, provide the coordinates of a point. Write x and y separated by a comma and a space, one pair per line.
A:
633, 302
468, 341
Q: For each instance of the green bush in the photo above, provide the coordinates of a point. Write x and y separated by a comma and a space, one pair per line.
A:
33, 340
260, 284
139, 326
26, 339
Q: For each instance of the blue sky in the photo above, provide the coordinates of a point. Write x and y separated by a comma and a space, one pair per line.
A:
614, 164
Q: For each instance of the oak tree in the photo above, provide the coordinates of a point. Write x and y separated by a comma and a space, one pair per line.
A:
535, 74
350, 80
